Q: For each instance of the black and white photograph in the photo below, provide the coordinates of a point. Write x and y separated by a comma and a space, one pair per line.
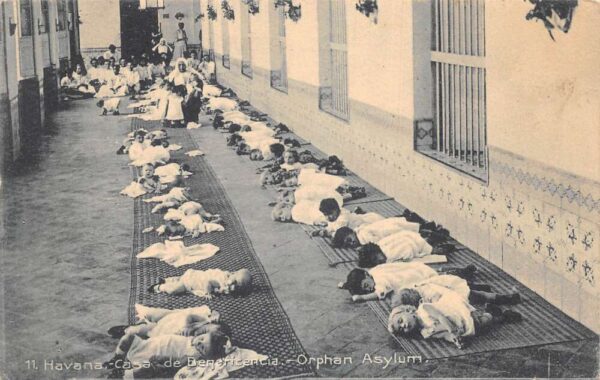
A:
282, 189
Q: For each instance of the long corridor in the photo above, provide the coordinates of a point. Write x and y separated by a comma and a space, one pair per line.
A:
66, 270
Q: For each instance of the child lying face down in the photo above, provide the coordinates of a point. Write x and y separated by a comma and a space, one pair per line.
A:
340, 217
436, 309
156, 153
399, 246
371, 233
190, 225
390, 278
191, 208
379, 282
305, 212
205, 283
172, 173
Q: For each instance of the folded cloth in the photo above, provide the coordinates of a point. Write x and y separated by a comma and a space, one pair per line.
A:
173, 147
192, 125
177, 254
194, 153
133, 190
146, 230
238, 358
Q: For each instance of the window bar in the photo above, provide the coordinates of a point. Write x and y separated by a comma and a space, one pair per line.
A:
446, 103
483, 119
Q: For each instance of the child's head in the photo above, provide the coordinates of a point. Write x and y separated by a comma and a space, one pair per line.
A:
290, 156
112, 48
256, 155
94, 62
148, 171
370, 255
164, 143
345, 237
181, 65
116, 69
403, 320
194, 54
290, 182
211, 345
276, 149
233, 128
242, 148
359, 281
100, 103
139, 136
406, 296
330, 208
240, 281
282, 212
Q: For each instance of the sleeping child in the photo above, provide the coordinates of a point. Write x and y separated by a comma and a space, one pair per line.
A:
390, 278
434, 309
305, 212
191, 208
157, 353
371, 233
340, 217
183, 322
190, 225
379, 282
205, 283
400, 246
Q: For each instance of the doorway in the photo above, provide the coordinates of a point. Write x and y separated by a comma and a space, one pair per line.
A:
137, 27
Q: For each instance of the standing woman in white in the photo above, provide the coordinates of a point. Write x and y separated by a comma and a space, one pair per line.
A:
180, 44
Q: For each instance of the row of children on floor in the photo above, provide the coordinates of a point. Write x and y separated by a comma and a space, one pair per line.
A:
161, 336
396, 249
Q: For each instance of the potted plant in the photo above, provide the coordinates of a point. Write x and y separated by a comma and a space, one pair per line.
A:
227, 10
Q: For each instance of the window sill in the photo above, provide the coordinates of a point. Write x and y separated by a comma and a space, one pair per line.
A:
336, 114
464, 168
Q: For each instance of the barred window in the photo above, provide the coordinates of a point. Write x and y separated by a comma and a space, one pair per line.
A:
45, 17
61, 17
225, 35
246, 36
25, 18
333, 96
458, 134
279, 78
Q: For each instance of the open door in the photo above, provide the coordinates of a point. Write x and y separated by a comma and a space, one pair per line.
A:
137, 26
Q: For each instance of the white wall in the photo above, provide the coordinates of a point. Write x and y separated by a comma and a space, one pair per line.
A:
543, 95
101, 23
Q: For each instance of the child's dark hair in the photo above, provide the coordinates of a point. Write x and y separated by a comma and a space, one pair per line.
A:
294, 154
291, 142
367, 255
241, 149
156, 142
234, 128
354, 281
277, 149
100, 103
328, 206
218, 341
407, 296
340, 235
218, 121
185, 167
